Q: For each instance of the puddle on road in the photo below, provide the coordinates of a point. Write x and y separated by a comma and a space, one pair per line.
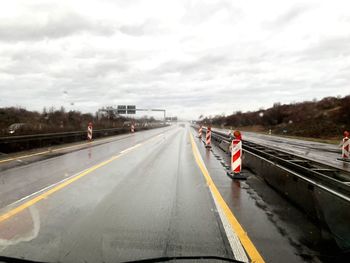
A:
23, 227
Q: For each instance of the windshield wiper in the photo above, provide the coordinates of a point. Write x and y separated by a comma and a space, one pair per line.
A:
159, 259
164, 259
17, 260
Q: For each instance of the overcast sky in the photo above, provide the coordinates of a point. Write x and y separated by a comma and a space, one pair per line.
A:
189, 57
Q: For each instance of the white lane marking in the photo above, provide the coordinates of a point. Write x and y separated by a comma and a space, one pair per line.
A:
67, 178
40, 191
235, 244
131, 148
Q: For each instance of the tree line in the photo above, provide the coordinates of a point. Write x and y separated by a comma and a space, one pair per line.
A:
326, 118
58, 120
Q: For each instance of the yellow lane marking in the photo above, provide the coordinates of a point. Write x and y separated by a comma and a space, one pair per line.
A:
241, 233
44, 195
33, 201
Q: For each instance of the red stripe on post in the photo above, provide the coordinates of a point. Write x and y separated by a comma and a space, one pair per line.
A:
238, 169
236, 155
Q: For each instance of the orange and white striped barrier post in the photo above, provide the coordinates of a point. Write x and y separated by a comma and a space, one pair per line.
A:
236, 157
89, 131
132, 128
200, 130
208, 138
345, 147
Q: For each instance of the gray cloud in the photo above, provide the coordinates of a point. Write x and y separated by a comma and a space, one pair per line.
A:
291, 15
28, 60
82, 71
149, 27
287, 17
53, 27
205, 62
328, 48
190, 57
198, 12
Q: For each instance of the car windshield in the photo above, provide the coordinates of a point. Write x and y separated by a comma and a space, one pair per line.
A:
174, 130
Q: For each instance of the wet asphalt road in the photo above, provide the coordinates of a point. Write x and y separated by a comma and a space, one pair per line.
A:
24, 176
151, 201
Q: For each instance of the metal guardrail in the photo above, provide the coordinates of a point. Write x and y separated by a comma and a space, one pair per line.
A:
321, 191
20, 138
320, 173
10, 144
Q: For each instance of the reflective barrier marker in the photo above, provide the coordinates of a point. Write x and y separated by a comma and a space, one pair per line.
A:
236, 154
236, 157
132, 129
345, 146
200, 132
89, 131
208, 138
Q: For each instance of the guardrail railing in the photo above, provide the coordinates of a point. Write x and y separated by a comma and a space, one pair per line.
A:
329, 176
320, 190
10, 144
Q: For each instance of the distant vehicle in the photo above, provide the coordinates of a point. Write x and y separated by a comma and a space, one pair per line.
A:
127, 124
19, 127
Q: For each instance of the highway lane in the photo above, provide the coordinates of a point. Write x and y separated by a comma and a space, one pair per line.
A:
141, 197
321, 152
26, 173
22, 158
